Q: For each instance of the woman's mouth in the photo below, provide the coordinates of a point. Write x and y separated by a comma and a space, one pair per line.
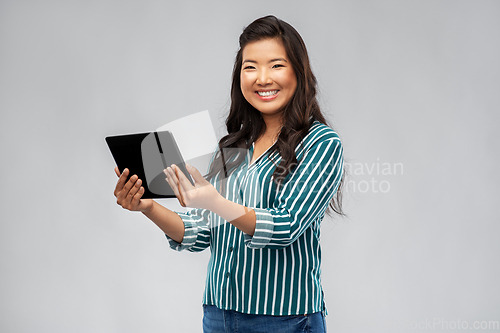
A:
267, 95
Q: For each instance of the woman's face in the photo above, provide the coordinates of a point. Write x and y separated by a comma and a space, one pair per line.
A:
268, 80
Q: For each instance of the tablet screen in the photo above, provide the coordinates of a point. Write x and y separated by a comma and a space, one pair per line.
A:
147, 155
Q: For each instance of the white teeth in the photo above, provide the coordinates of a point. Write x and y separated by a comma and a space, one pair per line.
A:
267, 93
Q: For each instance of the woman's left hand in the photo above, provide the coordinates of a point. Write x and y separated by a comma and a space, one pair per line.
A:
201, 195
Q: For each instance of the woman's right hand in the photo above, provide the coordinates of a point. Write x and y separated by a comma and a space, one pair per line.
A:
129, 194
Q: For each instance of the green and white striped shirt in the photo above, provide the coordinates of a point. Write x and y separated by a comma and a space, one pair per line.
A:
277, 271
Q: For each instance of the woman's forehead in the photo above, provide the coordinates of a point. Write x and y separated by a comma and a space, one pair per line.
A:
264, 49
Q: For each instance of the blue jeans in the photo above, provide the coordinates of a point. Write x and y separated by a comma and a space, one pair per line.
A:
216, 320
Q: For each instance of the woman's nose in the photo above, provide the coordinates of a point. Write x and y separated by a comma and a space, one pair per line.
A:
264, 78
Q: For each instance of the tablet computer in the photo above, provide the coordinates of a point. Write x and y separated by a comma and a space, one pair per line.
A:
147, 155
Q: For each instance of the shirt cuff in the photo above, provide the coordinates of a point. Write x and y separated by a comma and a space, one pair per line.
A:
264, 229
190, 234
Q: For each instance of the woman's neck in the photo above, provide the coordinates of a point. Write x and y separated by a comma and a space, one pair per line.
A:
274, 123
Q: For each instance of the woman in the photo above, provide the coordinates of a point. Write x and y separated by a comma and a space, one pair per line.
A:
260, 207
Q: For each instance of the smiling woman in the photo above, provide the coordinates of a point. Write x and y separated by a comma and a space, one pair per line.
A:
270, 183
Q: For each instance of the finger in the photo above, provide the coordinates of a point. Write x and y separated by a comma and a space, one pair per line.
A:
172, 183
181, 192
126, 188
133, 191
183, 181
117, 172
197, 176
136, 200
178, 186
121, 182
173, 186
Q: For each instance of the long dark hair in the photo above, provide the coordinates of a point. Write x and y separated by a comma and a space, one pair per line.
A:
245, 124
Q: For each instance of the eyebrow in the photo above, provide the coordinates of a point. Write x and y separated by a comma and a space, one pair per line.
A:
272, 60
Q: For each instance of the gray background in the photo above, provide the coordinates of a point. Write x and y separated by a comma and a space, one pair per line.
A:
412, 87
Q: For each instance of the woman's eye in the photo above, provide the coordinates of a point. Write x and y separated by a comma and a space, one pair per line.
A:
249, 67
278, 65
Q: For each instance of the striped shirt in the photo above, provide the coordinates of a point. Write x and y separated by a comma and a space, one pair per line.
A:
277, 271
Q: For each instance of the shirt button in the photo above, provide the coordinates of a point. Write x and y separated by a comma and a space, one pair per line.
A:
227, 274
231, 249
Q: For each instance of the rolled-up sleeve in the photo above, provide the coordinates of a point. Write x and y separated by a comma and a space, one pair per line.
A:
196, 231
303, 198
